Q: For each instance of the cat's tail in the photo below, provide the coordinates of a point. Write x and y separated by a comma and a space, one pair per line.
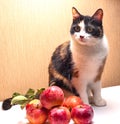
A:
7, 104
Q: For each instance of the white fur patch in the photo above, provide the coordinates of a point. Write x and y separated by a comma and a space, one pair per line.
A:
87, 59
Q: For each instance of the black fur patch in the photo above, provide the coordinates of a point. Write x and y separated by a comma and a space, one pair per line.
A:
61, 68
95, 24
62, 85
63, 65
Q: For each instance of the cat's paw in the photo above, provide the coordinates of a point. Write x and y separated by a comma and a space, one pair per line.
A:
100, 102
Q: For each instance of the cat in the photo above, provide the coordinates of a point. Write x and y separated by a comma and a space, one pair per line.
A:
77, 65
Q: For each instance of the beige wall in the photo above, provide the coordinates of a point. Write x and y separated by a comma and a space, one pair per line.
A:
31, 29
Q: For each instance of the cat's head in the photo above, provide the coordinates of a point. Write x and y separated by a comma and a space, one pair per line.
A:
87, 30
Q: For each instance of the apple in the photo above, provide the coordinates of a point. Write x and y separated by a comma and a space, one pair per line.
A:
72, 101
82, 114
52, 96
59, 115
35, 113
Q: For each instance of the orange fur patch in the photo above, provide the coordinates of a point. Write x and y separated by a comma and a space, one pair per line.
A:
63, 50
76, 73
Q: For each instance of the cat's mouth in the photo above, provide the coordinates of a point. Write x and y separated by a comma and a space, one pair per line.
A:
82, 40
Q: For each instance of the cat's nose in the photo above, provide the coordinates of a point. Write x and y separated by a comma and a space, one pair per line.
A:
81, 37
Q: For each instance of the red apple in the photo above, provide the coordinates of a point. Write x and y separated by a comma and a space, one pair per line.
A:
82, 114
72, 101
35, 113
52, 96
59, 115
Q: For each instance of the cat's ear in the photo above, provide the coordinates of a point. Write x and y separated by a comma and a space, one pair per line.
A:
75, 13
98, 14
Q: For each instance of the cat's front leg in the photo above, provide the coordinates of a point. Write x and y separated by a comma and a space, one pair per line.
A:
84, 97
97, 98
82, 90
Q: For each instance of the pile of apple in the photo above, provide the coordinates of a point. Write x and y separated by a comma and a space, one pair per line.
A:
54, 108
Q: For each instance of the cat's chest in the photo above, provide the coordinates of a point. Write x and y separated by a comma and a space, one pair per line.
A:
87, 67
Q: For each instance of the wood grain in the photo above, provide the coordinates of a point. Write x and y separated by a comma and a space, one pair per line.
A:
31, 29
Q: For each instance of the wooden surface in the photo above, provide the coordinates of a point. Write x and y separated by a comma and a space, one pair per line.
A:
31, 29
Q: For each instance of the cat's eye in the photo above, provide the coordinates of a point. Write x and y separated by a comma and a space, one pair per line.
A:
77, 28
89, 29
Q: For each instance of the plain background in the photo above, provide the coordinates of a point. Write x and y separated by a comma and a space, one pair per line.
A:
30, 30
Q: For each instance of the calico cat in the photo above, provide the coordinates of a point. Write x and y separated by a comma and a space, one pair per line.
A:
77, 65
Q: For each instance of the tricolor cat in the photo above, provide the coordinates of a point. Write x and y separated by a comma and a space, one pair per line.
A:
77, 65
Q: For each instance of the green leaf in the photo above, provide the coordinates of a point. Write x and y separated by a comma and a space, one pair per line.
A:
15, 94
24, 104
30, 93
20, 99
39, 91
